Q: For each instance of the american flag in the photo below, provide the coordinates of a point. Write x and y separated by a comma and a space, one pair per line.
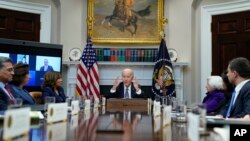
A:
87, 84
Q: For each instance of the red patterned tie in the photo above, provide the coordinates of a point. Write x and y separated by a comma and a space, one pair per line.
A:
9, 93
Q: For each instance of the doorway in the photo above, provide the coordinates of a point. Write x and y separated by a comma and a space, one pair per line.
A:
230, 39
19, 25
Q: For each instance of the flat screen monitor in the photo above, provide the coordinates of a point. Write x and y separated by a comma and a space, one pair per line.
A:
35, 54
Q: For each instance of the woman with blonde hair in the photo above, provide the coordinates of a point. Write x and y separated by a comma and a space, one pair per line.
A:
52, 86
215, 93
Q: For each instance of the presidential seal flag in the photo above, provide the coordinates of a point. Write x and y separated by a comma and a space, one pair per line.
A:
163, 83
87, 83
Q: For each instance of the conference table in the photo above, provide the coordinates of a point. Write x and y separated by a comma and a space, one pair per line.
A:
102, 124
108, 126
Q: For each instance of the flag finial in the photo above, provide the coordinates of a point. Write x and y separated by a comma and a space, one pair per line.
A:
162, 34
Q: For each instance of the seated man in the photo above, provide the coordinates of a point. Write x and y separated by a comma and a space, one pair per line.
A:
127, 87
6, 75
238, 74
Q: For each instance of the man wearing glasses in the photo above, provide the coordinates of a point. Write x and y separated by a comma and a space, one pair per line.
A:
6, 74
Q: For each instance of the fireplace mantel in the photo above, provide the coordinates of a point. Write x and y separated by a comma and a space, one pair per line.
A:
108, 71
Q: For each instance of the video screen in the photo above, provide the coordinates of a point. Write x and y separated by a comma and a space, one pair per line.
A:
41, 58
38, 65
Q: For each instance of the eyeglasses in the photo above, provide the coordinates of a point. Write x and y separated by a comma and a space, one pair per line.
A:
9, 69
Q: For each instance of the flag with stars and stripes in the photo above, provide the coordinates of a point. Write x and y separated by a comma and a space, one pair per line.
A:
163, 83
87, 84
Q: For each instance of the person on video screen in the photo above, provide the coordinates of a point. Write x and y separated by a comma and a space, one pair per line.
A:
46, 66
23, 60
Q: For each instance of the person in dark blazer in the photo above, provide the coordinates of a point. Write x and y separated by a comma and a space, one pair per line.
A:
239, 75
6, 75
52, 86
20, 79
46, 66
127, 87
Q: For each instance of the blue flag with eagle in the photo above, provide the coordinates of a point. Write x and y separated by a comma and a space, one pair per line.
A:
163, 83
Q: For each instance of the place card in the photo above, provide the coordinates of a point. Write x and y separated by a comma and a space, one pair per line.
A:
167, 133
87, 104
86, 114
166, 115
96, 104
103, 110
149, 106
16, 122
57, 112
193, 127
57, 131
103, 101
75, 107
157, 108
157, 123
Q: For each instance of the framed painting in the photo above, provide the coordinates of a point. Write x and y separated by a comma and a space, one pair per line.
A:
125, 21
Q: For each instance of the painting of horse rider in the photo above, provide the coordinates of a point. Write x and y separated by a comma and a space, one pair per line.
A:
126, 21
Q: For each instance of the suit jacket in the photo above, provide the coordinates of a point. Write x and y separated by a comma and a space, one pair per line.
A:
23, 94
119, 93
50, 68
241, 106
48, 91
4, 99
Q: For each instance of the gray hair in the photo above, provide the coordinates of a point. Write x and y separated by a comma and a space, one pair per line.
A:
4, 60
215, 82
128, 70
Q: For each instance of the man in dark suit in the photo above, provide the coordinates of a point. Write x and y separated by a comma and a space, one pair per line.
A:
6, 74
127, 87
46, 66
239, 75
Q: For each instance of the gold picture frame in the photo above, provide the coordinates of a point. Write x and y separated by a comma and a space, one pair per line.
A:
107, 22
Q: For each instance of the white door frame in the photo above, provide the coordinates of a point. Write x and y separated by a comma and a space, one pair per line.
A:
206, 38
43, 10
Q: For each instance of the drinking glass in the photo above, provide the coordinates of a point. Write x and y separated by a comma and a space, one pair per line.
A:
15, 103
181, 112
48, 100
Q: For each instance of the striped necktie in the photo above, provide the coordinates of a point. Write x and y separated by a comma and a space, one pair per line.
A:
126, 93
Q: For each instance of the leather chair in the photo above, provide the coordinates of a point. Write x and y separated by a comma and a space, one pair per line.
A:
37, 96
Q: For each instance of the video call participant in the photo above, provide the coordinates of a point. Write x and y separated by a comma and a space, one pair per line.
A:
127, 87
6, 75
238, 75
20, 79
52, 86
46, 66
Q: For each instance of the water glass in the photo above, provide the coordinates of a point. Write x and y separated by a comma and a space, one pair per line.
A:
81, 101
200, 109
181, 112
15, 103
203, 121
48, 100
68, 101
165, 100
174, 103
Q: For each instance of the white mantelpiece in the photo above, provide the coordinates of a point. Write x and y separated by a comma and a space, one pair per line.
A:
108, 71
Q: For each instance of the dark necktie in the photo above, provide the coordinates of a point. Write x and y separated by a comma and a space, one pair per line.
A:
126, 93
231, 105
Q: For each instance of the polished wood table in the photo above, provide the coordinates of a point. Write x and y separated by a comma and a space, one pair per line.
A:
101, 124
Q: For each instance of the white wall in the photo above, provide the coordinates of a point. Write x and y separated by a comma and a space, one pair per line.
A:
199, 66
